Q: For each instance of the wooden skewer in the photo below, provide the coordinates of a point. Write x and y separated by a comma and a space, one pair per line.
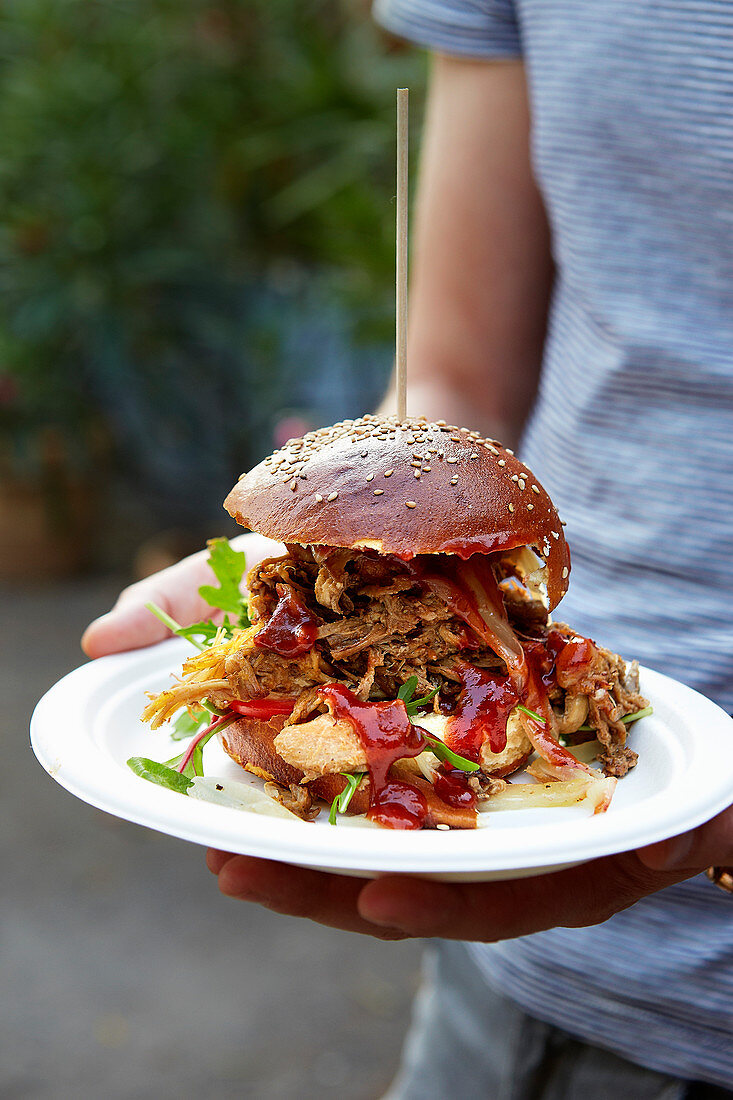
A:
401, 292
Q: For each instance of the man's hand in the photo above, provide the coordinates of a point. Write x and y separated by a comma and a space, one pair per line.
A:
129, 625
398, 906
395, 906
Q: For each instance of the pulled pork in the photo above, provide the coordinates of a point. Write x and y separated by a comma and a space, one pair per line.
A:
378, 625
376, 621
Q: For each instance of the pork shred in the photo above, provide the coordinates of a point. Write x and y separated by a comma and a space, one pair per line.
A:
379, 626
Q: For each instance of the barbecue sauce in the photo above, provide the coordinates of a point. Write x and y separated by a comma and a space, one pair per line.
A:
542, 654
452, 787
559, 661
574, 661
292, 629
387, 735
483, 707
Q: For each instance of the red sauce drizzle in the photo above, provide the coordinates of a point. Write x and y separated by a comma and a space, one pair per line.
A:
452, 787
483, 708
574, 661
387, 735
292, 629
542, 654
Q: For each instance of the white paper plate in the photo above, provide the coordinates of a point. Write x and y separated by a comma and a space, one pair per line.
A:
87, 726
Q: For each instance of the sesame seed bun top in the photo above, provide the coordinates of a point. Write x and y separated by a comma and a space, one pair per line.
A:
402, 487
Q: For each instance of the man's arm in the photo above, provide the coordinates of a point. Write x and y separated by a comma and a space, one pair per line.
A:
481, 267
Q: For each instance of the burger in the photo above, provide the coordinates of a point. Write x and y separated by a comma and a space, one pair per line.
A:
401, 660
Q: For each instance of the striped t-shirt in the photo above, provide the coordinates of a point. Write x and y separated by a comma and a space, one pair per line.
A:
632, 142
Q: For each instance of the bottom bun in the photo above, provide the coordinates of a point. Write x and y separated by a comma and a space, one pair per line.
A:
250, 743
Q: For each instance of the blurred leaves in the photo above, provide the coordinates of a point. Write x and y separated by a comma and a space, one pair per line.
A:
173, 176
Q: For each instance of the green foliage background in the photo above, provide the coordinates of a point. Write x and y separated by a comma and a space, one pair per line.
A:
161, 163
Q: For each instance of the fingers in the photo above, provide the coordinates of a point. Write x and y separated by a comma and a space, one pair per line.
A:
580, 896
298, 892
130, 624
398, 906
215, 860
711, 843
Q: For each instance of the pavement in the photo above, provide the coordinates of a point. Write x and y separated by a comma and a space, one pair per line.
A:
124, 972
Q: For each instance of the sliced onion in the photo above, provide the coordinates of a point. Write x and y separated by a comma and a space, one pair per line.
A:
563, 763
427, 762
595, 790
478, 577
237, 796
529, 796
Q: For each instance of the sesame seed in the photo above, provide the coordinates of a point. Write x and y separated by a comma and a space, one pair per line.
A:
443, 827
370, 477
564, 572
511, 507
379, 492
522, 483
331, 496
452, 460
364, 454
440, 423
294, 485
454, 480
416, 473
388, 473
319, 498
426, 469
410, 504
515, 477
474, 455
530, 507
509, 451
502, 462
535, 489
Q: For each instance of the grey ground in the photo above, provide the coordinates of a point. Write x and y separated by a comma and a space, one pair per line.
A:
124, 972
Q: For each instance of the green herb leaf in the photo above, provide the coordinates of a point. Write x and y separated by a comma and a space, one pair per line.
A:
228, 566
195, 763
407, 690
207, 631
448, 756
187, 724
161, 774
637, 715
341, 801
531, 713
627, 719
414, 705
171, 623
406, 693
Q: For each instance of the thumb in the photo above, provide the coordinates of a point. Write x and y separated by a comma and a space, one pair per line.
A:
125, 627
711, 843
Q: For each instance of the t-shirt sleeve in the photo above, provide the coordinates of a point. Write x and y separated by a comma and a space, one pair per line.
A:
462, 28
